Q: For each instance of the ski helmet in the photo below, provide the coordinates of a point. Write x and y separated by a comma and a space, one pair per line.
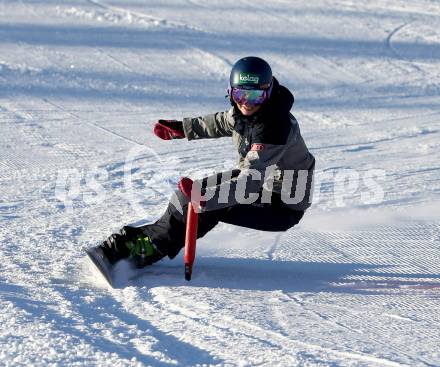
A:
251, 72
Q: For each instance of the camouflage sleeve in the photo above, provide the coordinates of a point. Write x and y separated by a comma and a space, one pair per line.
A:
215, 125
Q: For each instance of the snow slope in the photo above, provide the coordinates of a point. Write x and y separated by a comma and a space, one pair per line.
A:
355, 284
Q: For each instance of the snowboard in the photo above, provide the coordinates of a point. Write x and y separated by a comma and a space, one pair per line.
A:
101, 263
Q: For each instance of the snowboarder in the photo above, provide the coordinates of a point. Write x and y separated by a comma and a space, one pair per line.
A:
271, 152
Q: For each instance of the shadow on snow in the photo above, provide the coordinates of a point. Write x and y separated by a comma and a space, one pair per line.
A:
271, 275
98, 315
171, 39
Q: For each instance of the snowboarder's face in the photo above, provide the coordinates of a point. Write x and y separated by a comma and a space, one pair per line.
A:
248, 109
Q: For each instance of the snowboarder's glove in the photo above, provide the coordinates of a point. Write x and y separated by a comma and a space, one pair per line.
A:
169, 129
185, 185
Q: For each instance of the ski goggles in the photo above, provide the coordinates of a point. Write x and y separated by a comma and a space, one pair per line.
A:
249, 96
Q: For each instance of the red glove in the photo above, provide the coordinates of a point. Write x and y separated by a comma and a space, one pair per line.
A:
169, 129
185, 186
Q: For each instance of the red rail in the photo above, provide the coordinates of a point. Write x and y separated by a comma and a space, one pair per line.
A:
190, 240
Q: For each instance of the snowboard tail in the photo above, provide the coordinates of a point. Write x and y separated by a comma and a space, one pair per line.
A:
96, 255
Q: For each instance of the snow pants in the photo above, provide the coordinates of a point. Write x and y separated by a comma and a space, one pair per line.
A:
168, 233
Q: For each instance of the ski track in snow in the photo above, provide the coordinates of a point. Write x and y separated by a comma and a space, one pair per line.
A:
81, 83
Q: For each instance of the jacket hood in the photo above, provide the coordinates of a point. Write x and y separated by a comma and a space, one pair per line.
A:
281, 98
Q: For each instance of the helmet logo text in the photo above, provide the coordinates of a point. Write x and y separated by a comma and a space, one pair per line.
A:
248, 78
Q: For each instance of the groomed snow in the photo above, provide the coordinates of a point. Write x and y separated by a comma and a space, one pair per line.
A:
355, 284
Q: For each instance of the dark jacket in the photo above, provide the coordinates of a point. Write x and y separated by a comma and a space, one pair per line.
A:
268, 142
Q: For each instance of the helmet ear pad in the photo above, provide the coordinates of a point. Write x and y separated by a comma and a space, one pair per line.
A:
269, 90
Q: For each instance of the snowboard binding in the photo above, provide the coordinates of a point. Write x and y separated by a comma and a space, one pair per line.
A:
143, 251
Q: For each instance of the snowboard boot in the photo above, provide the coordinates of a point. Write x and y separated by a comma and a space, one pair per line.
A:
131, 241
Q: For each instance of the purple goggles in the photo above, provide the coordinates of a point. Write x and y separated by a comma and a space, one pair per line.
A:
250, 96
